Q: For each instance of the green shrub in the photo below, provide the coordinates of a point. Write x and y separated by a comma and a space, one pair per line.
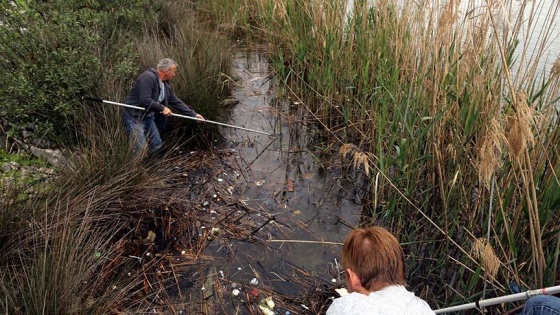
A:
52, 53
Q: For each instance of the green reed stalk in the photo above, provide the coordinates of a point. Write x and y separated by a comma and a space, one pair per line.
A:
425, 92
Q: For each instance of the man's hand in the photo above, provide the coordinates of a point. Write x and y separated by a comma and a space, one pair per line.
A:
166, 111
198, 116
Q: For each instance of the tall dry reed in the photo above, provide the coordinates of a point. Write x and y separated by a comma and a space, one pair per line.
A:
430, 92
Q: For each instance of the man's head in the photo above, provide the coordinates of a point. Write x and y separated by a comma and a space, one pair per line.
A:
373, 259
166, 69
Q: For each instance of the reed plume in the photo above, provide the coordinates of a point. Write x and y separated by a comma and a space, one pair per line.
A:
490, 152
488, 259
520, 136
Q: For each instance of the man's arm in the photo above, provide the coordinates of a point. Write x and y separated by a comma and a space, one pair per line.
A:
177, 105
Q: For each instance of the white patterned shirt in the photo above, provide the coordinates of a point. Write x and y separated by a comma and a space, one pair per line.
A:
391, 300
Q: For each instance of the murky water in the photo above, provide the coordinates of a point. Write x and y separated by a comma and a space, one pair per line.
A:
282, 176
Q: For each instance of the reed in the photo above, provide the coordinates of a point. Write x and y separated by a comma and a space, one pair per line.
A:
444, 99
203, 57
63, 251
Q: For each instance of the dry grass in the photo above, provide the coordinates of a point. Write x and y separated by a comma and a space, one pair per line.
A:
455, 88
359, 159
520, 134
488, 259
491, 152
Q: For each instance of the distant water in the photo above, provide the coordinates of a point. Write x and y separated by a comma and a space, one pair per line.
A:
539, 33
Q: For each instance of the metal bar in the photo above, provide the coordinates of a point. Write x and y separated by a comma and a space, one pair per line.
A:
502, 299
95, 99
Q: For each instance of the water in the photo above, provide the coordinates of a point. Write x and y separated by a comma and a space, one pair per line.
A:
539, 41
539, 35
282, 176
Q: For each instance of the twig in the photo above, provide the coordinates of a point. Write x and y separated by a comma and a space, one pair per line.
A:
307, 242
177, 283
263, 225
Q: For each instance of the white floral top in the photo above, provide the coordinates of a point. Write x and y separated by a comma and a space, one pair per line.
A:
391, 300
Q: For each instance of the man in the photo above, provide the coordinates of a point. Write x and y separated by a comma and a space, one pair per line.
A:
153, 92
374, 263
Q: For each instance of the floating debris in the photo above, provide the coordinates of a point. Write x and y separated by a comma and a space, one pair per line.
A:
267, 306
254, 281
260, 182
253, 293
290, 185
235, 292
150, 238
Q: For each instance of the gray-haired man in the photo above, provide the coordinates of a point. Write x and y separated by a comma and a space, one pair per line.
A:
153, 91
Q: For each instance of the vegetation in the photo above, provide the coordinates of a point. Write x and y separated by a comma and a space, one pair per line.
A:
441, 107
54, 52
64, 247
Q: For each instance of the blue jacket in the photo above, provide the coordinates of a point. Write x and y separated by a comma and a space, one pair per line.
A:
145, 93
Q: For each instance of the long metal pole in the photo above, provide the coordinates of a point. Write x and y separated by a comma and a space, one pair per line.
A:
97, 99
502, 299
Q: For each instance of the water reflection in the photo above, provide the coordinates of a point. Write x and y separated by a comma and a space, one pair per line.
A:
535, 21
282, 176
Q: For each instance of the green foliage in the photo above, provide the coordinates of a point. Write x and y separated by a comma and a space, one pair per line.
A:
206, 61
52, 53
21, 159
22, 170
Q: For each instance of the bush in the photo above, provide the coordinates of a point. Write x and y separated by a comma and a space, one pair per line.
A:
52, 53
